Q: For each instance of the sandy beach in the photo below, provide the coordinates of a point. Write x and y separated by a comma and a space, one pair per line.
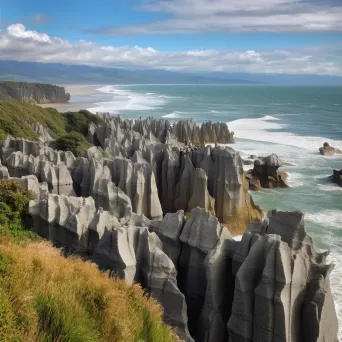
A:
86, 96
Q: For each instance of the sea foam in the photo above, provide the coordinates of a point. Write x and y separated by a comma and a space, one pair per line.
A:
127, 100
270, 129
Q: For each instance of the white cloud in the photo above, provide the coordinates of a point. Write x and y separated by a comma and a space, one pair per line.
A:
197, 16
19, 31
19, 43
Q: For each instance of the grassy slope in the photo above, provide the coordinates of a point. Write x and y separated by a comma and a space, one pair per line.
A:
46, 297
17, 118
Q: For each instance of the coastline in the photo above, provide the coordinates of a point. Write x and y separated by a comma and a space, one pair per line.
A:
82, 96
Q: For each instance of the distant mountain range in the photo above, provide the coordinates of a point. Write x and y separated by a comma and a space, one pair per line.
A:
57, 73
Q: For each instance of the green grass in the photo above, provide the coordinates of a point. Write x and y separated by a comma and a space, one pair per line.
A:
45, 297
69, 129
17, 118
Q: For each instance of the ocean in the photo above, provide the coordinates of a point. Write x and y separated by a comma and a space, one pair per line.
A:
292, 122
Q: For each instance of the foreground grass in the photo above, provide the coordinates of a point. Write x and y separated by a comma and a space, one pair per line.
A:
46, 297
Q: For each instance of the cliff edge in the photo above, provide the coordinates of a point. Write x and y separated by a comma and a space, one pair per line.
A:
33, 92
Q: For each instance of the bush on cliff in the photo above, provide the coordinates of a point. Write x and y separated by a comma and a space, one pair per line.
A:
80, 121
14, 200
74, 142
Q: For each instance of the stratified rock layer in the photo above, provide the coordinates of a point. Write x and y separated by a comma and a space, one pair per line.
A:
156, 212
265, 174
33, 92
271, 285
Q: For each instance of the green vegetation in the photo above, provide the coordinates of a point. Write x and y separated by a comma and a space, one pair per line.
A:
45, 297
80, 121
14, 200
74, 142
18, 118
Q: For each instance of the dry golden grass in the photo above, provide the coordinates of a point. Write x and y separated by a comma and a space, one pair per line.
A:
46, 297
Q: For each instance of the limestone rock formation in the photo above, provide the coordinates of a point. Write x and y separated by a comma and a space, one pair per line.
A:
33, 92
265, 174
4, 174
156, 212
271, 285
337, 177
328, 150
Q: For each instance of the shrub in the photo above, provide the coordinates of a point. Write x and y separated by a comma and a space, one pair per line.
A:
74, 142
14, 201
80, 121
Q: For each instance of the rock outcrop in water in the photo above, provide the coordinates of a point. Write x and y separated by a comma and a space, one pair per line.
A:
33, 92
265, 174
328, 150
157, 213
335, 178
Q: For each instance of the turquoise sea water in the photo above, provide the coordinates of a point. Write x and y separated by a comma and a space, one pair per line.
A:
290, 121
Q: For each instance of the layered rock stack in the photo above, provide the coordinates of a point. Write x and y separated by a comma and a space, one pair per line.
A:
265, 174
156, 212
271, 285
328, 150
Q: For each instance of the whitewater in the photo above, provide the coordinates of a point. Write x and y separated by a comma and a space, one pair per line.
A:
292, 122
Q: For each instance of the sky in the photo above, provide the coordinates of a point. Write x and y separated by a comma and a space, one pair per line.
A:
251, 36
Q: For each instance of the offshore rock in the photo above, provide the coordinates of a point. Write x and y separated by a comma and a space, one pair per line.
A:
328, 150
337, 177
266, 175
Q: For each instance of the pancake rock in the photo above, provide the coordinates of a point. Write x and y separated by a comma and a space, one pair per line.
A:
227, 188
272, 284
4, 174
57, 176
337, 177
137, 216
328, 150
265, 174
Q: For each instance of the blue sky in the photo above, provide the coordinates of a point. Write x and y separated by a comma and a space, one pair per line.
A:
229, 30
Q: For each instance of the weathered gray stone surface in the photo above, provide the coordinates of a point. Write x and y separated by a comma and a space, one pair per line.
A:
265, 174
146, 214
33, 92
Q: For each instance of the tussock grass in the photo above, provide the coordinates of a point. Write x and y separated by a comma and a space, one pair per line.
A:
46, 297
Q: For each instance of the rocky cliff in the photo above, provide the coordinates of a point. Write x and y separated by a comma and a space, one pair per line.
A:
33, 92
163, 213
